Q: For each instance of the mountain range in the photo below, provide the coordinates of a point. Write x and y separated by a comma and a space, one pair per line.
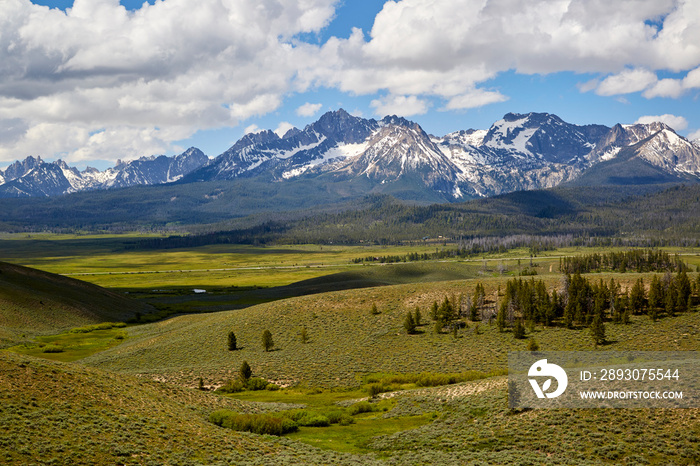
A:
35, 177
394, 155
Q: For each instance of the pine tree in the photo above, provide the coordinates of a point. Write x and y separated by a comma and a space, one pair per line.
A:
245, 371
532, 345
671, 301
374, 311
409, 324
637, 297
417, 317
231, 341
518, 330
685, 291
434, 311
267, 342
625, 311
438, 326
304, 335
477, 302
656, 296
597, 329
501, 316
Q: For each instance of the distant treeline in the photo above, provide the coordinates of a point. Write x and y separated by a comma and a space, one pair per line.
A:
637, 260
539, 220
257, 235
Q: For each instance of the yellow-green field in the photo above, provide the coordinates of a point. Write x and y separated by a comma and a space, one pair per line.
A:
105, 260
130, 394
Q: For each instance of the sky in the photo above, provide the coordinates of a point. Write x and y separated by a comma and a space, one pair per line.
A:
93, 81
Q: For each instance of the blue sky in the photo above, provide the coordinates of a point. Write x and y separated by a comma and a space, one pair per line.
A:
99, 80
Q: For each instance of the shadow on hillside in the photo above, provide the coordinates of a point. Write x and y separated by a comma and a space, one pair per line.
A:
183, 301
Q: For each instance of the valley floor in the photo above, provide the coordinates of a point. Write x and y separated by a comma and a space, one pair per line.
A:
133, 397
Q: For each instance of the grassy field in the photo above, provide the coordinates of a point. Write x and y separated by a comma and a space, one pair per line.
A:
133, 389
89, 416
33, 302
76, 344
345, 340
105, 260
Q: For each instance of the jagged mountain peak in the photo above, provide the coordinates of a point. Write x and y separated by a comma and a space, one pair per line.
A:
291, 133
463, 138
21, 168
34, 177
340, 125
541, 136
398, 121
520, 151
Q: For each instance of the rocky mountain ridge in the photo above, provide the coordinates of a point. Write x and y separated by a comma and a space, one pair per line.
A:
518, 152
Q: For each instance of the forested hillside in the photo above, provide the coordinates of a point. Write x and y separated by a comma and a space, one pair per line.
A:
562, 215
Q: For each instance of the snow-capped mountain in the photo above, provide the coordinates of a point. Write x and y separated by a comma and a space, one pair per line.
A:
518, 152
334, 136
34, 177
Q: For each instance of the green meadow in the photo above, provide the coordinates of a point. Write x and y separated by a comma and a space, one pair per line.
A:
146, 391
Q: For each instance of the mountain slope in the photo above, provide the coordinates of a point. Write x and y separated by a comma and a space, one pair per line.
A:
518, 152
87, 416
35, 178
660, 157
33, 301
341, 158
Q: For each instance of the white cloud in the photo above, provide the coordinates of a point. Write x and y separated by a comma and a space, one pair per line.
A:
308, 109
148, 77
692, 79
694, 135
252, 129
400, 105
674, 88
475, 98
665, 88
161, 72
588, 85
626, 82
283, 127
678, 123
444, 48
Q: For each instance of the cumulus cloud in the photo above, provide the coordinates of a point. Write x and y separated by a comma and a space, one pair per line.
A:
97, 72
475, 98
678, 123
400, 105
252, 129
626, 82
445, 48
674, 88
308, 109
98, 80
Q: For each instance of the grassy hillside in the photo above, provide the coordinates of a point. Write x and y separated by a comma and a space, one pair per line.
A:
345, 340
33, 302
57, 413
85, 416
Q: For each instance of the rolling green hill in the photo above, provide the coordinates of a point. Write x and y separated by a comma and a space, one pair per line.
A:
34, 302
57, 413
346, 341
